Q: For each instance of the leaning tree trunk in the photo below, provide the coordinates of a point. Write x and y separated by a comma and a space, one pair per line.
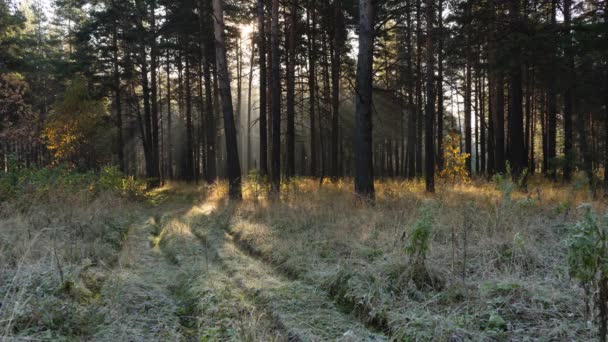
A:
233, 167
364, 169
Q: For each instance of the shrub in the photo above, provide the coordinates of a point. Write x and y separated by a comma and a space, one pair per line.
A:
588, 261
455, 167
420, 236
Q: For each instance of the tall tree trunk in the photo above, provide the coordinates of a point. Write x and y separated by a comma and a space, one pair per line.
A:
482, 121
412, 140
569, 93
276, 97
147, 121
291, 64
419, 77
207, 55
234, 169
429, 145
440, 160
336, 60
188, 166
117, 98
528, 110
605, 106
552, 99
312, 84
249, 90
239, 87
516, 131
154, 92
169, 164
263, 88
467, 90
496, 95
364, 171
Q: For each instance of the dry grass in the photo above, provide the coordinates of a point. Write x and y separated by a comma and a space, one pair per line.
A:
495, 269
53, 253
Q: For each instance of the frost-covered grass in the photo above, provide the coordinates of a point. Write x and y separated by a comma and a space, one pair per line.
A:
495, 266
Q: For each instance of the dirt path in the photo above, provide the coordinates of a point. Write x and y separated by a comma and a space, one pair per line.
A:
183, 278
137, 301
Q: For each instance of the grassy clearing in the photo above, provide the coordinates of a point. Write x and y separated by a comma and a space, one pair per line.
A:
495, 267
55, 249
479, 261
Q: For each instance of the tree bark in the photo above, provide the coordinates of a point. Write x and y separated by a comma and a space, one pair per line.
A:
188, 164
419, 99
516, 131
429, 145
552, 101
364, 172
276, 97
291, 63
312, 85
440, 160
233, 167
467, 90
263, 87
336, 61
117, 97
569, 94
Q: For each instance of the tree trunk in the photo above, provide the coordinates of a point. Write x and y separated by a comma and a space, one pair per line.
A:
169, 164
430, 99
569, 94
336, 60
188, 165
312, 85
276, 97
411, 127
440, 160
419, 77
234, 169
364, 172
467, 90
117, 99
249, 90
516, 131
263, 87
291, 63
552, 100
154, 90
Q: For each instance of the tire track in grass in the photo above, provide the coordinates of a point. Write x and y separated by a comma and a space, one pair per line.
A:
305, 312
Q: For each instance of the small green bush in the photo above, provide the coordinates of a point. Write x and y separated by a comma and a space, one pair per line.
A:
420, 236
588, 261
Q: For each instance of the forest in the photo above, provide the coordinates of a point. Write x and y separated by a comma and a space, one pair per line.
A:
304, 170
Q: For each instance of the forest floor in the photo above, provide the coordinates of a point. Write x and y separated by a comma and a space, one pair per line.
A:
318, 265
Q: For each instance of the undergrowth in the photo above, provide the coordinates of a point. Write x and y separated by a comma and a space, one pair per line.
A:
59, 231
476, 261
